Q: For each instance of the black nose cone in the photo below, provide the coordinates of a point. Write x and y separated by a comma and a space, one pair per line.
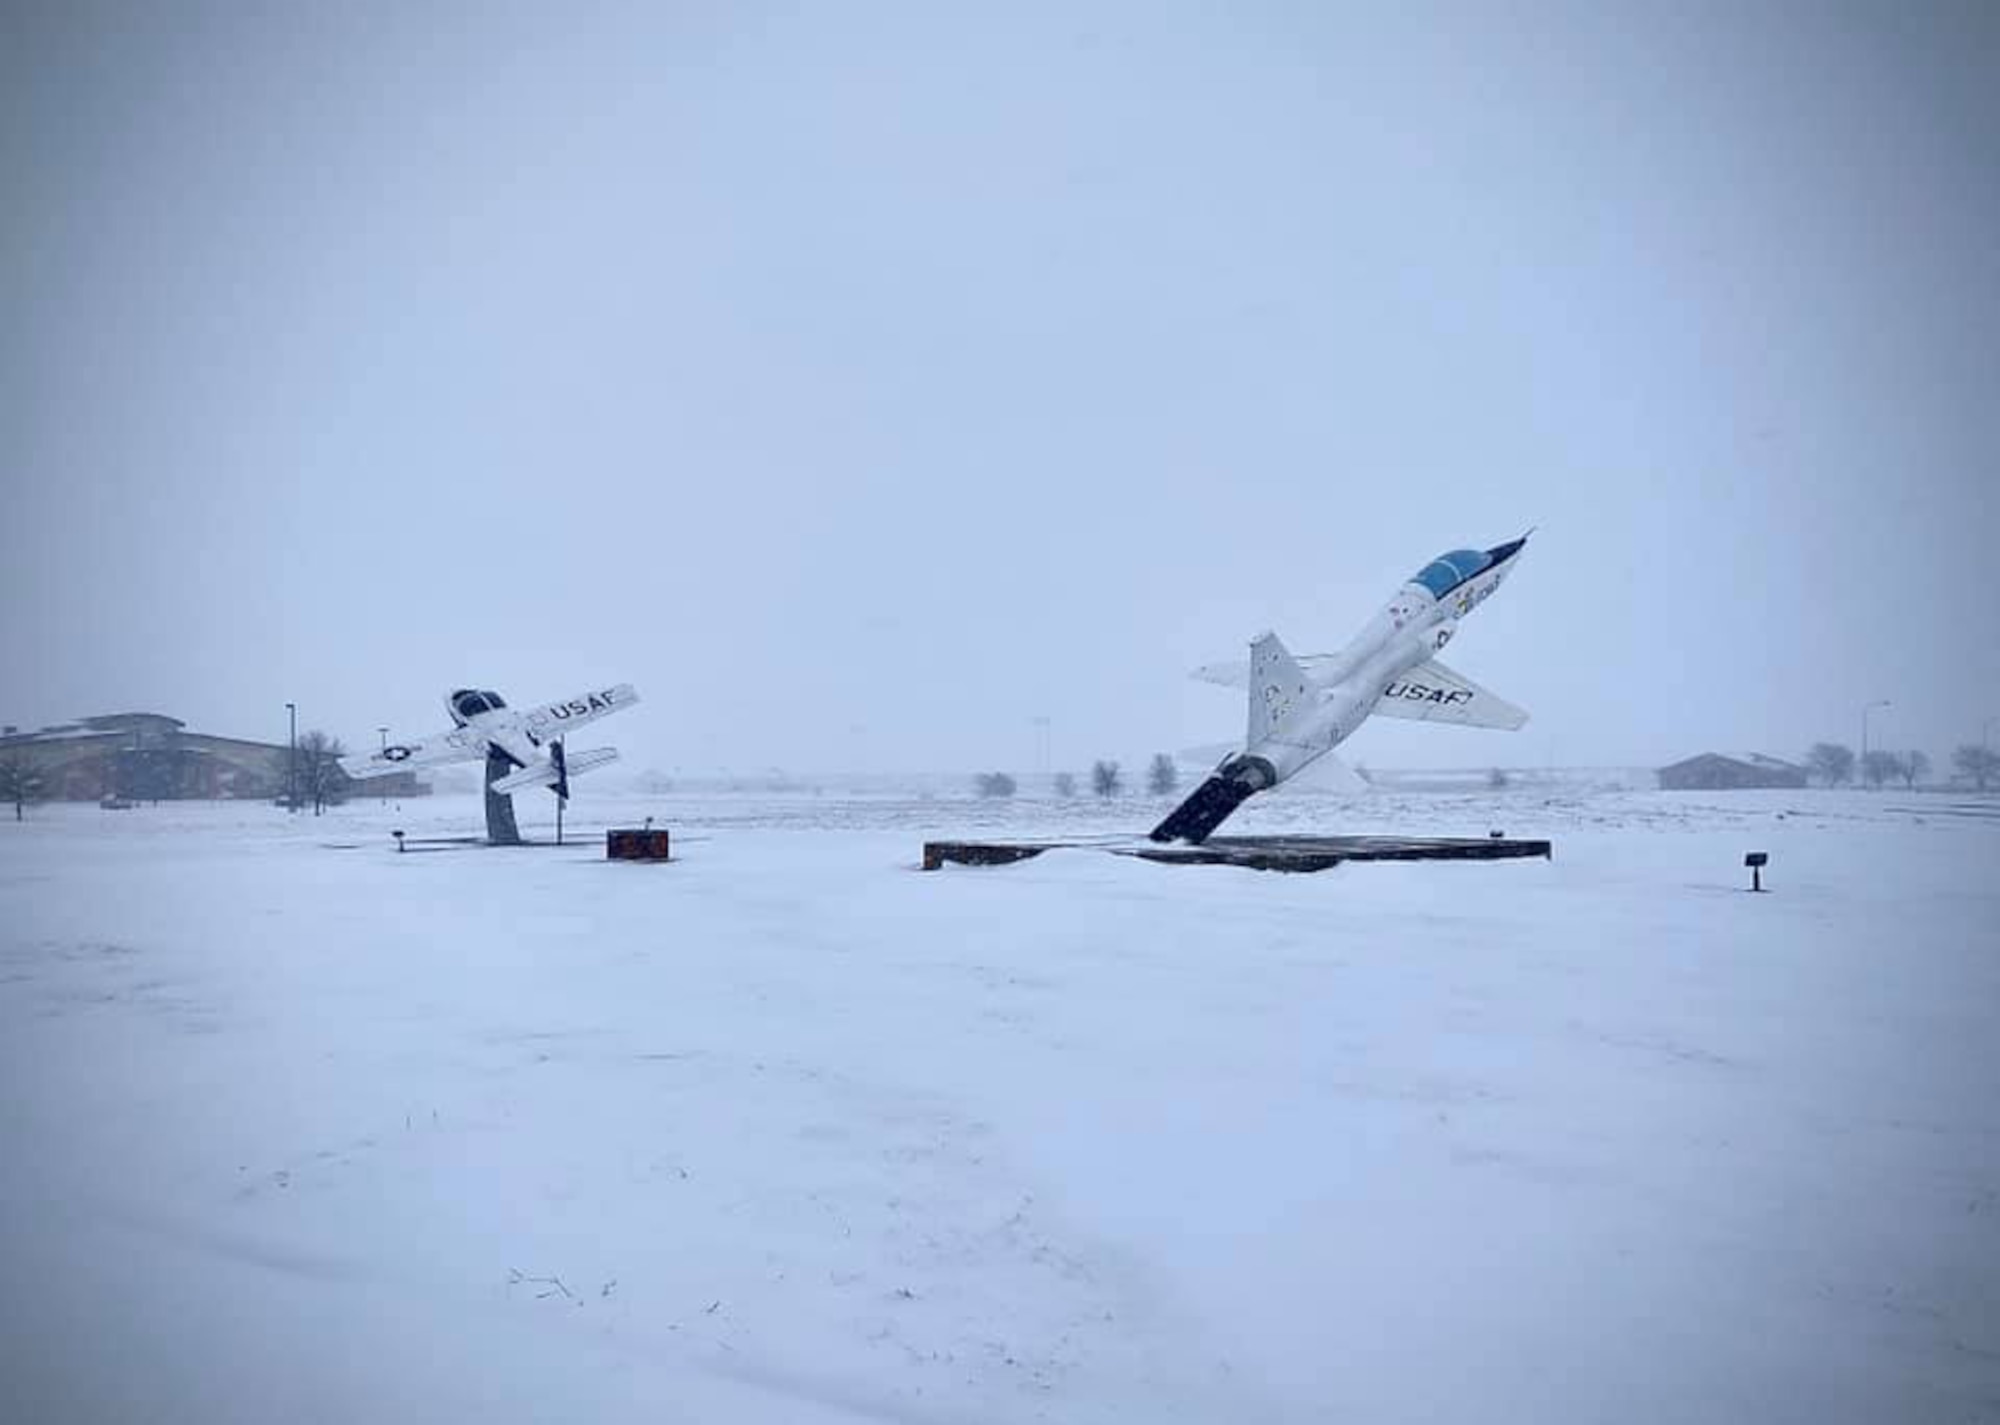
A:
1500, 553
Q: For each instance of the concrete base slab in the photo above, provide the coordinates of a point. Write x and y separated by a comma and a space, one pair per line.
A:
1262, 853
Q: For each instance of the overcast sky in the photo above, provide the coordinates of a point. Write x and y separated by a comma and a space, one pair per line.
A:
864, 382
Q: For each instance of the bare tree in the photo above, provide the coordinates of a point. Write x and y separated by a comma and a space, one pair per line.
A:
1879, 766
1162, 776
1104, 779
1065, 784
994, 784
19, 783
319, 772
1979, 762
1830, 762
1913, 766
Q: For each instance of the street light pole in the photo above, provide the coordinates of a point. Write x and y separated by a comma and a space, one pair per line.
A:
292, 760
1866, 709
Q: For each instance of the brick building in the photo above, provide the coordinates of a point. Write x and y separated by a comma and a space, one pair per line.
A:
151, 757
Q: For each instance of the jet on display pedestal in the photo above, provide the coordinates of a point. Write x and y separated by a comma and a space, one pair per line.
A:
1302, 708
531, 742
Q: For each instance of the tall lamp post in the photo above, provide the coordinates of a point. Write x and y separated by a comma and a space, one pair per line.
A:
292, 760
1866, 709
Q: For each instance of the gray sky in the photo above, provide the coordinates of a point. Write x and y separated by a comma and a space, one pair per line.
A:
865, 381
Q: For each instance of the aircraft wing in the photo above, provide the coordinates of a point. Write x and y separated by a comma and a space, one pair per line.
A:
1236, 674
461, 744
558, 719
1431, 692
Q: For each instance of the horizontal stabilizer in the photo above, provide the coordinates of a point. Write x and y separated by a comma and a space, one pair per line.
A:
547, 774
1236, 672
1207, 754
1329, 774
1431, 692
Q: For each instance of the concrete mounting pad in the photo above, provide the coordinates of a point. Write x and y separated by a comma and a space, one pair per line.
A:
1262, 853
414, 844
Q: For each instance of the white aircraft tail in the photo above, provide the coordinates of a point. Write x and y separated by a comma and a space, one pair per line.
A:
550, 773
1277, 686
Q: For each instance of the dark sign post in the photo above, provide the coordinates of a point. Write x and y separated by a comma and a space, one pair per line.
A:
1757, 861
559, 758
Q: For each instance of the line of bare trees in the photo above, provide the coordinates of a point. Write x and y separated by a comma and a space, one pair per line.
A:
1832, 764
1107, 779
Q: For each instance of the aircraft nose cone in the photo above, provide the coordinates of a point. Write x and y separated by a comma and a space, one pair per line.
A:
1501, 553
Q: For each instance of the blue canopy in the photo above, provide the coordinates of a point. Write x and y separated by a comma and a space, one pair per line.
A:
1448, 571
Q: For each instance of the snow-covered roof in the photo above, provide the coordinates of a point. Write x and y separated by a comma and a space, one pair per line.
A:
106, 722
67, 732
1760, 760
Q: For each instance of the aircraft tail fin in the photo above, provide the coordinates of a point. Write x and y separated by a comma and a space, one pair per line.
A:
1277, 685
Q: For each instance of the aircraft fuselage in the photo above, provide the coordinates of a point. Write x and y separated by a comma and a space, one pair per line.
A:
521, 737
1296, 717
1409, 630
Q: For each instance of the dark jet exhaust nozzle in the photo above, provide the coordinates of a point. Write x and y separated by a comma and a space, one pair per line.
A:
1216, 800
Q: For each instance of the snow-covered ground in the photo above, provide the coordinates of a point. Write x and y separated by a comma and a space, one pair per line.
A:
296, 1128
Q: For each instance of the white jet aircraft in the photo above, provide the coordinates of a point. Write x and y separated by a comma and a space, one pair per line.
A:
483, 725
1302, 708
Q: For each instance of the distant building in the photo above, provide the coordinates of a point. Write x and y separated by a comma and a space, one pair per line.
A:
145, 757
1719, 772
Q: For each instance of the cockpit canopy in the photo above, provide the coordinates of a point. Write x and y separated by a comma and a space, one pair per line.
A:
1448, 571
466, 703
